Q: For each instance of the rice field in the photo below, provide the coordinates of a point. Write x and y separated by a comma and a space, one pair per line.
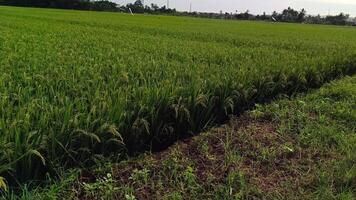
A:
77, 86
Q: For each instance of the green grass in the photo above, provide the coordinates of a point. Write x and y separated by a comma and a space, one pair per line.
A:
293, 148
79, 86
323, 122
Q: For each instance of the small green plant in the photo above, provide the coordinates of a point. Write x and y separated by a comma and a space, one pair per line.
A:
189, 176
231, 154
236, 184
130, 197
204, 148
140, 176
128, 192
174, 196
103, 189
257, 113
172, 167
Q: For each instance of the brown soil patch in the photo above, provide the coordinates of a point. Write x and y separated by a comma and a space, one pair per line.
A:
268, 160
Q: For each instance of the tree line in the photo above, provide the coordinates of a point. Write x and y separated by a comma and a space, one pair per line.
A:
101, 5
287, 15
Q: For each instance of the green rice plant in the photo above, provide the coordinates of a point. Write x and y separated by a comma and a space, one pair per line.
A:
78, 85
3, 185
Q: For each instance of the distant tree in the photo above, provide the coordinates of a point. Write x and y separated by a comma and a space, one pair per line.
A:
245, 15
337, 20
103, 6
66, 4
289, 15
154, 7
275, 15
148, 9
136, 7
301, 15
314, 19
264, 16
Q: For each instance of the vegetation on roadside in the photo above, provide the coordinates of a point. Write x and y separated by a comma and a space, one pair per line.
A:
292, 148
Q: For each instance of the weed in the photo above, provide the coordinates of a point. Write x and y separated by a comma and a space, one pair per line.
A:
102, 189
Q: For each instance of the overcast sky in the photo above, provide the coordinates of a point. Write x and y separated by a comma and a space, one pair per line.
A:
322, 7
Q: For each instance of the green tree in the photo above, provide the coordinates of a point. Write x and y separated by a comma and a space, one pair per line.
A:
136, 7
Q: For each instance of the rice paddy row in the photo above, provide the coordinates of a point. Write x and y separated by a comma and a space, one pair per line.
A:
76, 86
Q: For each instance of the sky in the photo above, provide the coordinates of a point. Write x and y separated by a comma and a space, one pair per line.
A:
313, 7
